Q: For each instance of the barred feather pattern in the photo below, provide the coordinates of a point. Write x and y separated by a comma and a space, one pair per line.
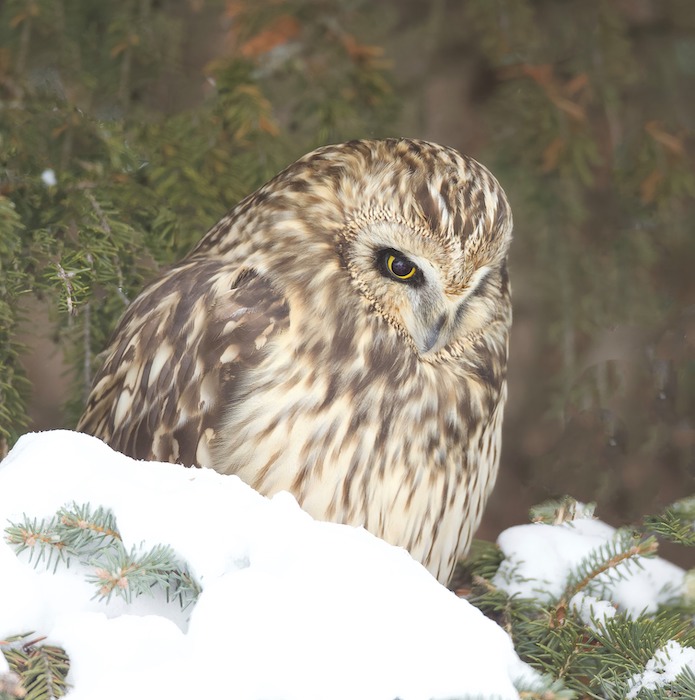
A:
282, 350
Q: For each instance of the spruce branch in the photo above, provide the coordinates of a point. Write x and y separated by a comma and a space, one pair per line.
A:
676, 523
41, 668
684, 685
85, 532
129, 574
622, 649
40, 538
66, 279
556, 512
610, 561
484, 558
92, 537
593, 660
72, 532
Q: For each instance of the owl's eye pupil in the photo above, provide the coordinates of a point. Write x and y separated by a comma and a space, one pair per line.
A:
394, 265
399, 266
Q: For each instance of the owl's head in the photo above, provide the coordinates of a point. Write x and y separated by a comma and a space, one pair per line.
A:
425, 242
418, 230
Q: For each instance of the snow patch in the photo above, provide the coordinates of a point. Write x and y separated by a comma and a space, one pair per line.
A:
592, 611
48, 177
663, 668
290, 608
539, 559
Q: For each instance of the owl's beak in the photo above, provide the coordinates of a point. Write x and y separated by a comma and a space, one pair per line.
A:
442, 325
439, 329
433, 333
437, 319
443, 317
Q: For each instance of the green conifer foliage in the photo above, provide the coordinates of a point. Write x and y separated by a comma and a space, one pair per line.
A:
584, 111
127, 129
591, 131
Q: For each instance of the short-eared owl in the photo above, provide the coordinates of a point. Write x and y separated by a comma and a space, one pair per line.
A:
341, 334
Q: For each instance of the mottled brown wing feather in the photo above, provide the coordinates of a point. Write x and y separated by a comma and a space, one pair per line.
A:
176, 358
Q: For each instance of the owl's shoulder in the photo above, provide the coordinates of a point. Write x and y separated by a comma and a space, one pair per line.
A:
177, 358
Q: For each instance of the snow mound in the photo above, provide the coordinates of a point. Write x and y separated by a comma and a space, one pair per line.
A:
290, 607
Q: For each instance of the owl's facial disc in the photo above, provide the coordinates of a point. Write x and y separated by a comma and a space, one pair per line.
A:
416, 289
432, 317
416, 283
438, 319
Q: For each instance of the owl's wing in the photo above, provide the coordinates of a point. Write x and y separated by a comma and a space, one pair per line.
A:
176, 358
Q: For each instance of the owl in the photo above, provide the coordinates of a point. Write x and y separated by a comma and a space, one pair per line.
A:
341, 334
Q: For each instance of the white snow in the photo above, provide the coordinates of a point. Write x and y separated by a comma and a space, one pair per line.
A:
48, 177
540, 557
591, 610
290, 607
663, 668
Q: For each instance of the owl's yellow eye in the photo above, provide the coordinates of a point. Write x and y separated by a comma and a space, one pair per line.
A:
400, 267
394, 265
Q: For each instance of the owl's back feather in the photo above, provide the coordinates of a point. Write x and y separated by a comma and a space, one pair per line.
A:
176, 358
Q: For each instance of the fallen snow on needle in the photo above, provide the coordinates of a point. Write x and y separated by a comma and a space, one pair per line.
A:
290, 607
540, 558
663, 668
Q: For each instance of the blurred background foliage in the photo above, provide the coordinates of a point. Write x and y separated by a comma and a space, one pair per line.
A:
127, 129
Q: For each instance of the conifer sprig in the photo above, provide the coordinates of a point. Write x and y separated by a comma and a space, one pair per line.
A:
598, 659
92, 538
129, 574
676, 523
608, 563
556, 512
41, 669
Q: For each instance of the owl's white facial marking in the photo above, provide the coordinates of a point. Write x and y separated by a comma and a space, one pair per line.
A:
416, 283
433, 318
